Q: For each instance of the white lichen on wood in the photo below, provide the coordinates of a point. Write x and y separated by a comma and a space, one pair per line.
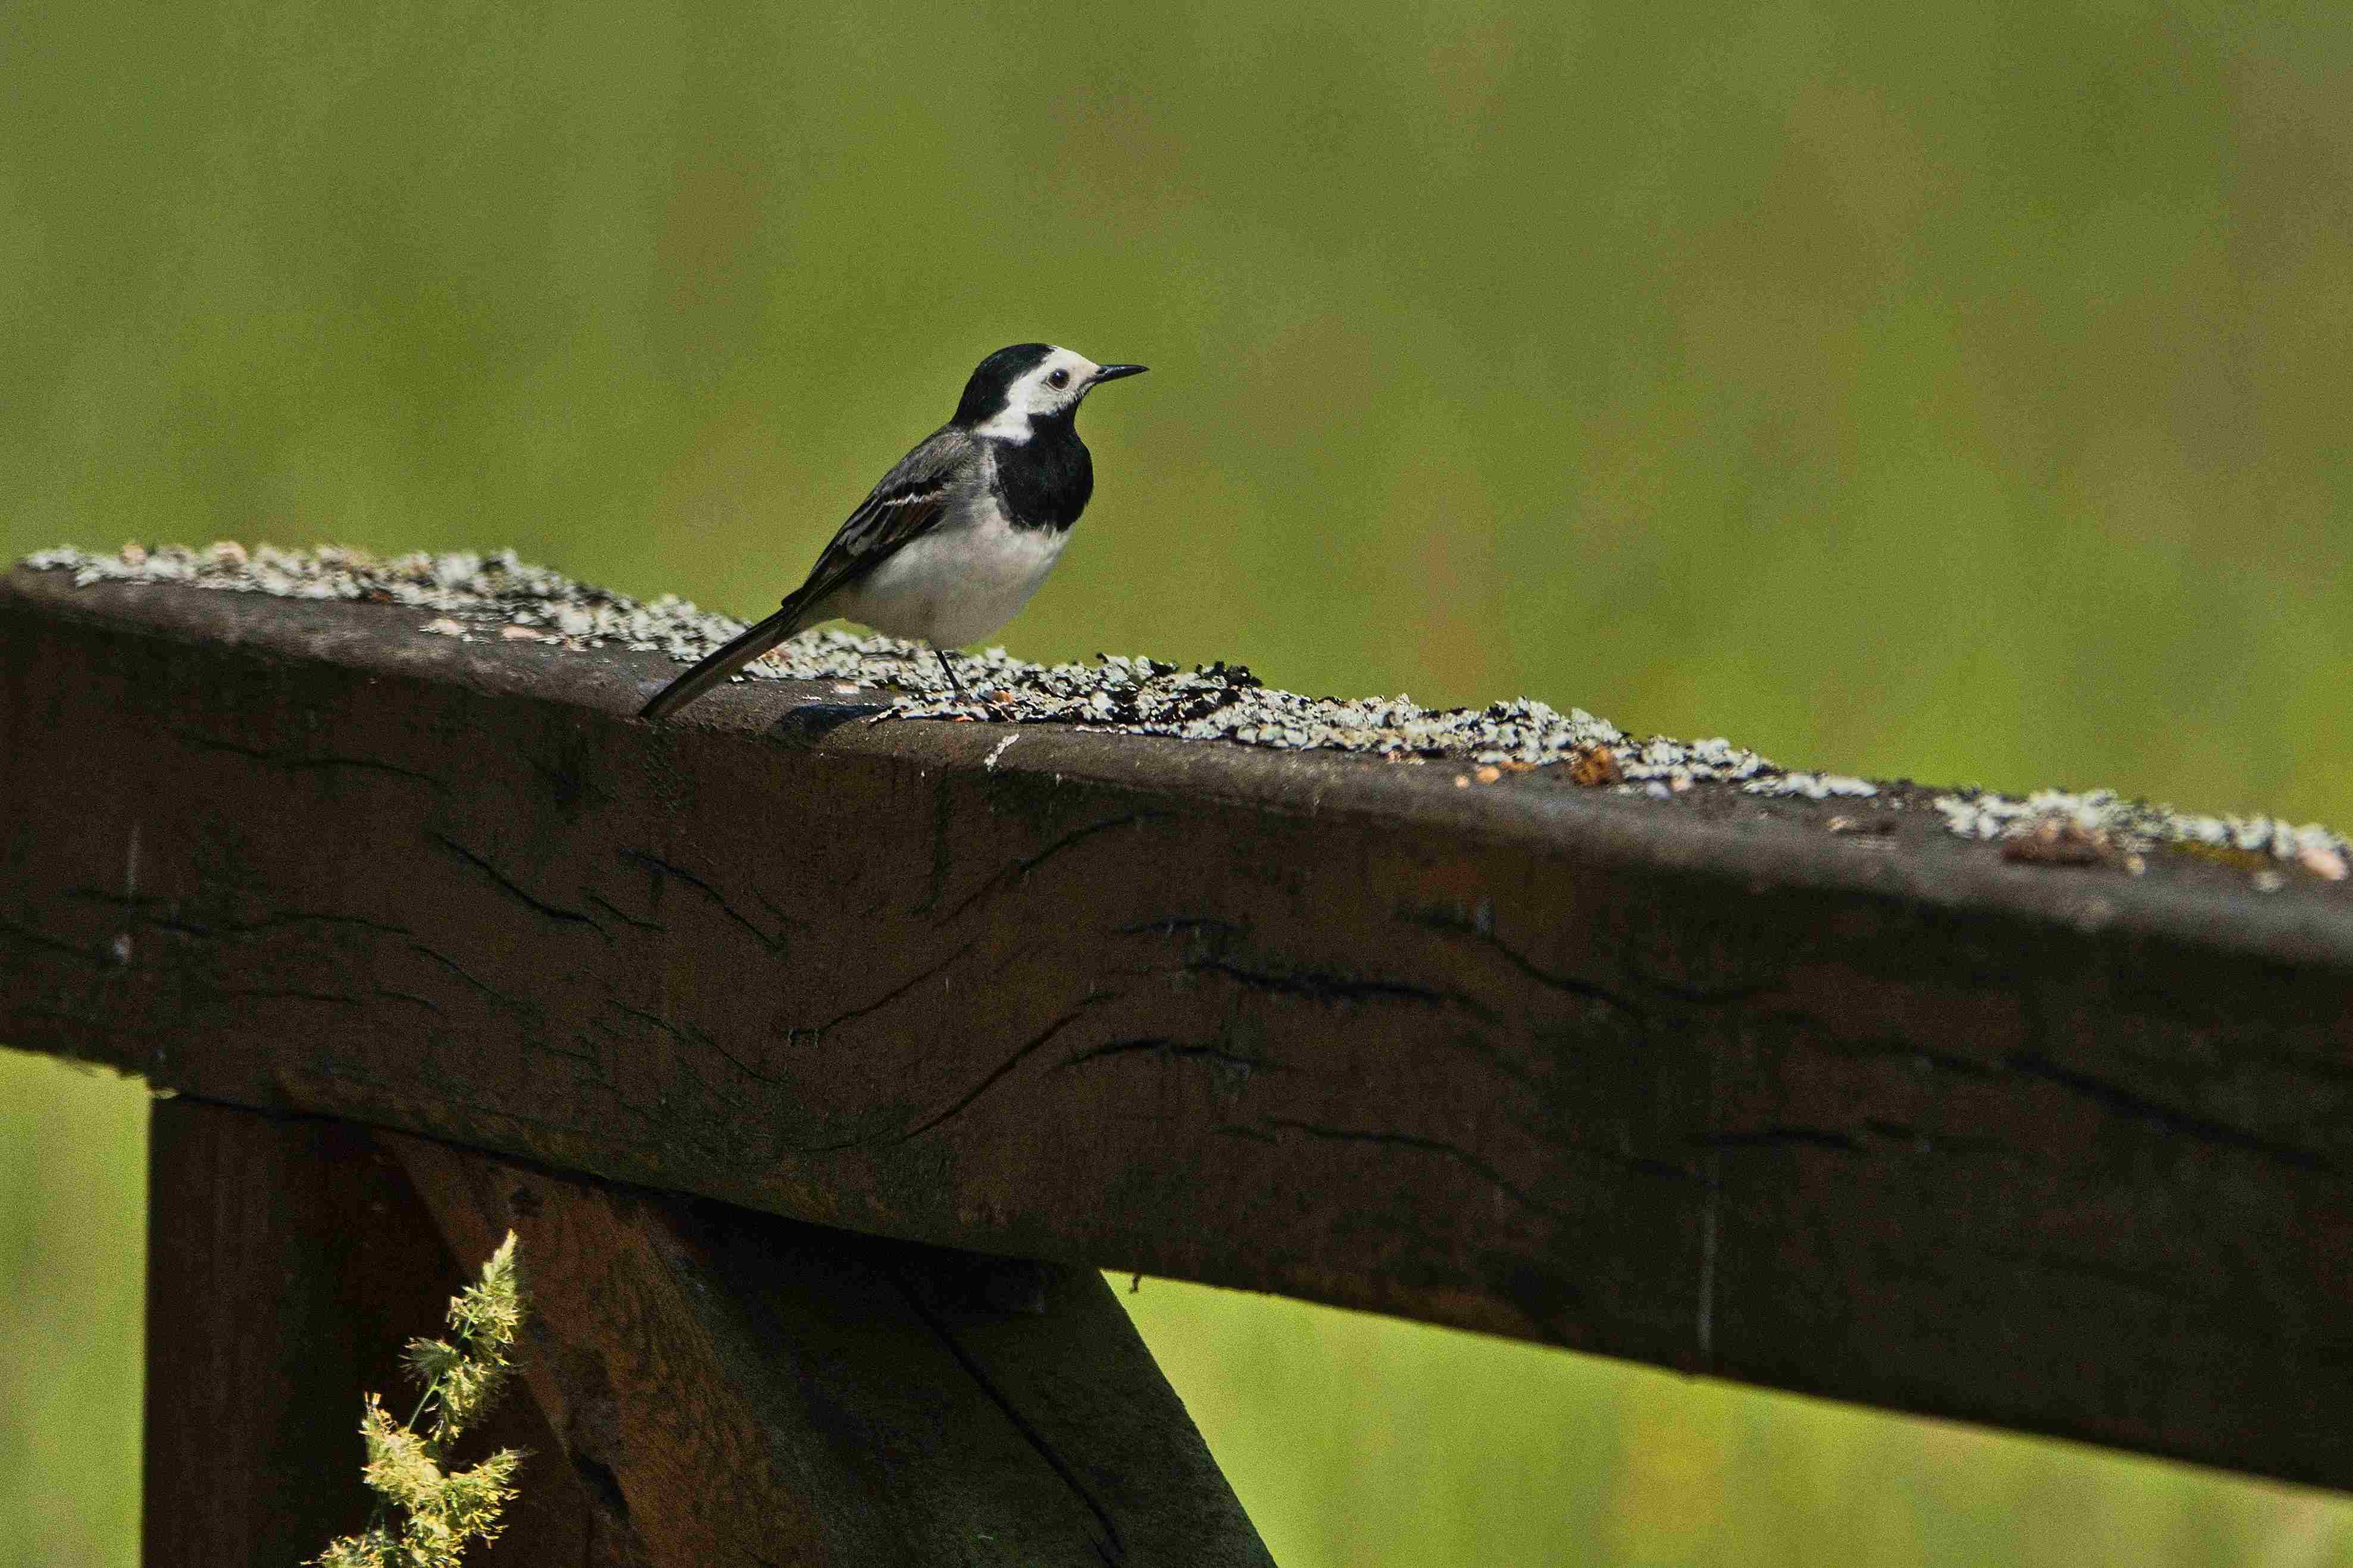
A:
494, 595
2133, 827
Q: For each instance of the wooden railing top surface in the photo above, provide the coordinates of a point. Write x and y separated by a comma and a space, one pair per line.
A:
1876, 1112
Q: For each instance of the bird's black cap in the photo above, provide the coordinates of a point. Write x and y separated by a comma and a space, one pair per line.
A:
984, 395
989, 390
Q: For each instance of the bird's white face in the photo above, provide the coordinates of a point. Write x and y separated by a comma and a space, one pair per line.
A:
1053, 387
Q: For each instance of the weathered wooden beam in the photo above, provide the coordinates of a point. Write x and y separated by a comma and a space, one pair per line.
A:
1698, 1082
700, 1383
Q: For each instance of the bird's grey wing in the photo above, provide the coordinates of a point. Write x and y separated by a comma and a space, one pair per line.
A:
910, 499
913, 497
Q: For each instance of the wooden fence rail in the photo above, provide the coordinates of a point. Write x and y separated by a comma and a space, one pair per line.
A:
1698, 1083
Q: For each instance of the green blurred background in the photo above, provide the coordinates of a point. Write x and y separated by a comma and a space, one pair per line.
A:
1958, 393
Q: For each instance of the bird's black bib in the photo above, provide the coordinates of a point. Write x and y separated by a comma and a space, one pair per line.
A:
1044, 482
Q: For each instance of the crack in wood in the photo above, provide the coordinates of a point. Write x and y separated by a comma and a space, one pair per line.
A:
1446, 922
1173, 1050
943, 845
660, 867
1472, 1163
2140, 1107
2162, 1289
515, 1003
1780, 1138
304, 765
894, 994
280, 993
619, 913
783, 917
1021, 867
30, 937
1923, 1141
694, 1039
1338, 990
1208, 926
515, 889
996, 1076
177, 922
1113, 1548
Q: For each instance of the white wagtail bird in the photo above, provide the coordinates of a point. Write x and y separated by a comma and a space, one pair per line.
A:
958, 535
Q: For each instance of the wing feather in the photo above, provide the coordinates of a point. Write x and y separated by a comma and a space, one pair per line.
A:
908, 501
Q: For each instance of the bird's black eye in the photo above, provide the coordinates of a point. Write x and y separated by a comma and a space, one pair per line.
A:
1061, 378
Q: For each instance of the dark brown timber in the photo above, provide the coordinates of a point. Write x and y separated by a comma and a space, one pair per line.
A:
289, 1261
735, 1387
701, 1384
1698, 1083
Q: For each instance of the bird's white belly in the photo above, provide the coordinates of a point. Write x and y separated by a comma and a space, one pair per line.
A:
957, 583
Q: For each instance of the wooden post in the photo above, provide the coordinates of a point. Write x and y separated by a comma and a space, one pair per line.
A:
700, 1383
289, 1260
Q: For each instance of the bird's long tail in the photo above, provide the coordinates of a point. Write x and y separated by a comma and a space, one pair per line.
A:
725, 661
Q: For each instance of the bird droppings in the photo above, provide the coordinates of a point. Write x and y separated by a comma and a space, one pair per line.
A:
493, 595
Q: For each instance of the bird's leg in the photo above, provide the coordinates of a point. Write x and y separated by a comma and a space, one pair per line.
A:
961, 694
988, 707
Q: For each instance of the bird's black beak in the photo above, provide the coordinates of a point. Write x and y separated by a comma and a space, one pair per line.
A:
1114, 372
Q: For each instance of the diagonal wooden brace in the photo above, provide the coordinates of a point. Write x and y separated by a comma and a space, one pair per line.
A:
701, 1384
